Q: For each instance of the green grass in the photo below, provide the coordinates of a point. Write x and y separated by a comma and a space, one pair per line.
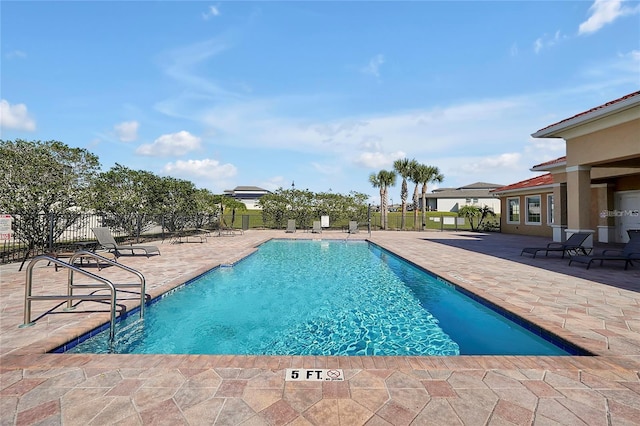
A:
434, 220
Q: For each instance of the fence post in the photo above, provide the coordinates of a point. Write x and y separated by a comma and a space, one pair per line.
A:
50, 231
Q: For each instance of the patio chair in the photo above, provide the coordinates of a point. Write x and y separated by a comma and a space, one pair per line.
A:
573, 244
106, 240
353, 227
291, 225
317, 227
630, 252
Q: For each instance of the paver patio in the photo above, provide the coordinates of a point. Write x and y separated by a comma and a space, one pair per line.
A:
598, 309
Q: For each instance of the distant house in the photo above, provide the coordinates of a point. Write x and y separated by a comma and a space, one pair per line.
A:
249, 195
452, 199
595, 188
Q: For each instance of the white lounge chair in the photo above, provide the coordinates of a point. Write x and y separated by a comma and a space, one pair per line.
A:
353, 227
291, 225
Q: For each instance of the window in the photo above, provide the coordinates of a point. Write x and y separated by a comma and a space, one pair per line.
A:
513, 208
475, 201
550, 220
467, 201
534, 216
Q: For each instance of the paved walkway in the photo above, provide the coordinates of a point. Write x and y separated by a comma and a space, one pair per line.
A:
598, 310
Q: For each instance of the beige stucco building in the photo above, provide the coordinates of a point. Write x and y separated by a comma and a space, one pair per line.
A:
595, 188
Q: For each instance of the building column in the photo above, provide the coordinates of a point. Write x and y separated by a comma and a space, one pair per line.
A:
604, 203
559, 212
579, 201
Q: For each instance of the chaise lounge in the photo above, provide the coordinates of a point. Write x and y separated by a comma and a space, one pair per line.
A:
291, 225
572, 245
317, 227
353, 227
106, 240
630, 252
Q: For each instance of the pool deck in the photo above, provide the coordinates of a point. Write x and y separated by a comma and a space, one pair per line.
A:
598, 309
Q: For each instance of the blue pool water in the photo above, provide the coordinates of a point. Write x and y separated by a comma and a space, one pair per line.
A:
320, 298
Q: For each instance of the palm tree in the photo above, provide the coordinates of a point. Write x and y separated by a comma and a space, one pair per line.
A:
383, 180
422, 175
403, 168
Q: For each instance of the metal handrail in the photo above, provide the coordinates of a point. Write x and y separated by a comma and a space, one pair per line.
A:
28, 297
98, 258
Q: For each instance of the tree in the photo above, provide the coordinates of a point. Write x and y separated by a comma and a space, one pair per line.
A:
129, 198
45, 185
383, 180
207, 208
177, 202
431, 174
304, 206
233, 204
404, 167
473, 213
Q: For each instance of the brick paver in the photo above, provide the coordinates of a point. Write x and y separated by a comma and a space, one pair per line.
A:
598, 309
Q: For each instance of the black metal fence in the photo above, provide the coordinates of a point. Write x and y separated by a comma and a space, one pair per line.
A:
26, 235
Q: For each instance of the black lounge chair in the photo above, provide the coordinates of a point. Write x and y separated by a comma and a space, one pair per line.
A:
629, 253
106, 240
573, 244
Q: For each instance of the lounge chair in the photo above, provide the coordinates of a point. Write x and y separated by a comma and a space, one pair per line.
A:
291, 225
317, 227
353, 227
630, 252
106, 240
573, 244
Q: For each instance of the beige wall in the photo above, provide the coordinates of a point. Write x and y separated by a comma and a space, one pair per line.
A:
618, 142
542, 230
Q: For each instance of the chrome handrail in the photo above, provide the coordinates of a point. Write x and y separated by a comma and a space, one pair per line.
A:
98, 258
28, 297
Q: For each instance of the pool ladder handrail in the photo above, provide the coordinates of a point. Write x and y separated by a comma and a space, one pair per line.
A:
69, 297
98, 258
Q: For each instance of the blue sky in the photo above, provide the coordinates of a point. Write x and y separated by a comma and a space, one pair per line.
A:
313, 92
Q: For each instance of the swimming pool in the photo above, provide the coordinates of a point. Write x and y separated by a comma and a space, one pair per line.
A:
318, 297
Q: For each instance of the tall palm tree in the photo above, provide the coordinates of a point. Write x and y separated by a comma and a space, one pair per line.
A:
403, 168
383, 180
424, 174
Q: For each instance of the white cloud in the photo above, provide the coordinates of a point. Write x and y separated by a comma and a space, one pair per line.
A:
205, 173
211, 12
172, 144
274, 183
514, 49
326, 169
16, 54
15, 117
604, 12
373, 67
510, 160
378, 160
547, 41
207, 168
127, 131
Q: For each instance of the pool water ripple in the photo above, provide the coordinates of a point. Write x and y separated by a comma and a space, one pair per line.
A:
300, 298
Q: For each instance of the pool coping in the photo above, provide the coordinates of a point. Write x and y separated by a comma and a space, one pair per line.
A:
519, 388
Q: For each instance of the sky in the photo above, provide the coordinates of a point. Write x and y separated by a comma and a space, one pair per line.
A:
316, 94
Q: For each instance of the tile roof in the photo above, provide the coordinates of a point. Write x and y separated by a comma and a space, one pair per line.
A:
558, 160
598, 108
533, 182
481, 185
